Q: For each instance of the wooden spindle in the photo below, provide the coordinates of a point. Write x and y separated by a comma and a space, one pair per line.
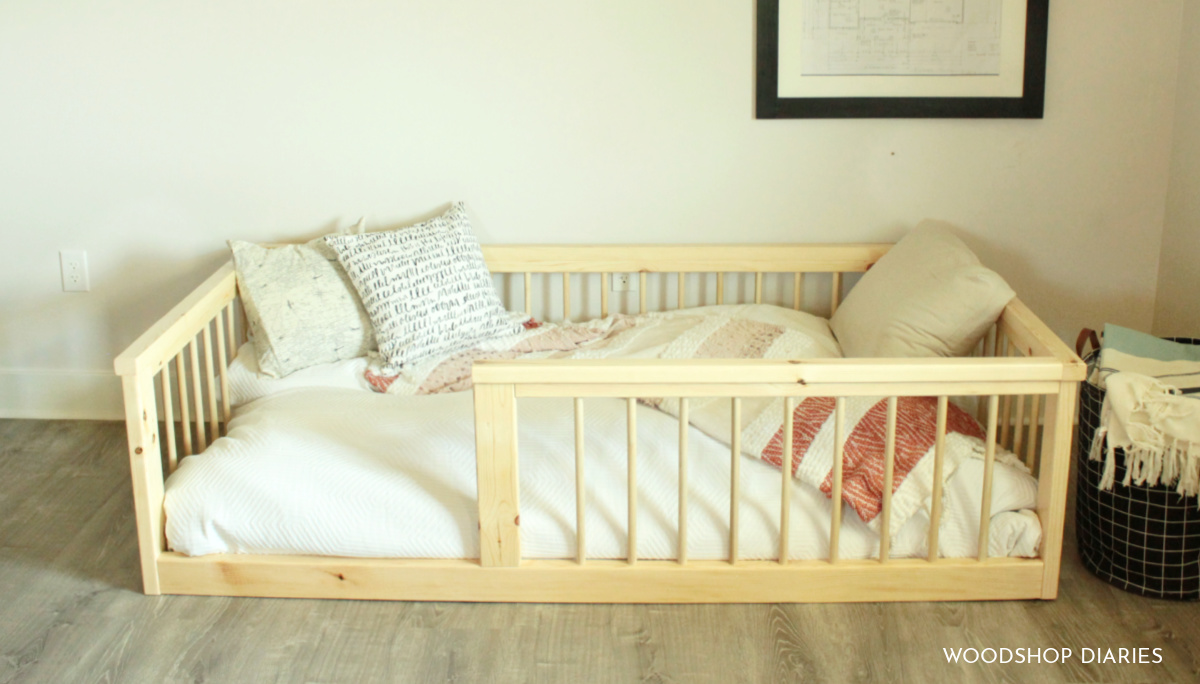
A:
758, 280
681, 289
605, 284
720, 287
169, 418
198, 397
797, 290
1019, 425
223, 370
785, 507
566, 297
230, 333
210, 380
642, 291
735, 462
683, 479
631, 418
185, 414
989, 462
1034, 420
839, 452
939, 458
835, 295
889, 470
528, 293
580, 500
1006, 411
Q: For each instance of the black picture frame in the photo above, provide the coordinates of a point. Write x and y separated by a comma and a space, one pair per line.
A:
770, 106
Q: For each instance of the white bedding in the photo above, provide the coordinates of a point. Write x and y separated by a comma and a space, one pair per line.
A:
344, 472
315, 463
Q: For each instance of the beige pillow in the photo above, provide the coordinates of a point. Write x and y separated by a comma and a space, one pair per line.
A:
301, 307
928, 296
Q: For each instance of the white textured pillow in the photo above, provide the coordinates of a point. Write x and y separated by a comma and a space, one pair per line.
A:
928, 296
426, 288
301, 307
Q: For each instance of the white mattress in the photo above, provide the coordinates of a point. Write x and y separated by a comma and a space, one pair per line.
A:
344, 472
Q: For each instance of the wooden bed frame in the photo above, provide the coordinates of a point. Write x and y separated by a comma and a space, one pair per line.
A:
1023, 376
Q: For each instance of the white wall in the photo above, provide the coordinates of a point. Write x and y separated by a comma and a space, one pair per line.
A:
1177, 308
148, 133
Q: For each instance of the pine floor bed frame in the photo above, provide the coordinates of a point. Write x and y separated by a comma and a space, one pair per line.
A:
1024, 379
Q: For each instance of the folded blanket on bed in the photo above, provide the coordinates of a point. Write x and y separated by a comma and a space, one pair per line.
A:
750, 332
1147, 410
813, 428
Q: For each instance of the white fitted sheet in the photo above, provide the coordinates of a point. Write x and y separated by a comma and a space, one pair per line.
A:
343, 472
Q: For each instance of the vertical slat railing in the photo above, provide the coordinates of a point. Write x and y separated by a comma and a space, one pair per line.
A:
230, 332
198, 396
566, 297
605, 284
785, 494
720, 287
889, 470
1035, 415
839, 447
797, 291
642, 292
223, 370
939, 459
185, 412
735, 461
210, 381
683, 480
528, 293
580, 489
631, 448
682, 290
835, 295
169, 418
989, 462
1006, 410
1018, 426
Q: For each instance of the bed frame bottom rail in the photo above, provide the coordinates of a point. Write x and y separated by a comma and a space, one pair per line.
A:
555, 581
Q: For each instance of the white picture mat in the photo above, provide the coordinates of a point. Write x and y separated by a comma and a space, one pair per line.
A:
1009, 83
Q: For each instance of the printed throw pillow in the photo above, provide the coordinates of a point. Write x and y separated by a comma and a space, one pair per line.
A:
426, 288
928, 296
301, 306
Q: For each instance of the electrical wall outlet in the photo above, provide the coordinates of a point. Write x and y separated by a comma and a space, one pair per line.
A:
74, 270
622, 282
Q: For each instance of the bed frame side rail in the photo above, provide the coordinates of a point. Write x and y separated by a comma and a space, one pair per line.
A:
201, 330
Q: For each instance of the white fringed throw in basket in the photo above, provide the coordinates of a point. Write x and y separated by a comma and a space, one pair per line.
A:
1146, 414
1158, 428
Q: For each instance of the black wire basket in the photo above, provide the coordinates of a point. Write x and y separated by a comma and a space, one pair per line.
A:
1145, 540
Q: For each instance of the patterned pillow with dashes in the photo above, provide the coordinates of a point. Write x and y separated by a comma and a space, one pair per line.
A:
426, 288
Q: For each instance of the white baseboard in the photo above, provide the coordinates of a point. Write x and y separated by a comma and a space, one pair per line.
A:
60, 394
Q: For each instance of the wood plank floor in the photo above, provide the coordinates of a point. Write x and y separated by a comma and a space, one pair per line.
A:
71, 611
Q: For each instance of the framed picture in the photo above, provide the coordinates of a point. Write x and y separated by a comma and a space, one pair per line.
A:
901, 59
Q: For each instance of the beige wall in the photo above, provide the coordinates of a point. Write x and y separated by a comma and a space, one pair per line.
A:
148, 133
1177, 307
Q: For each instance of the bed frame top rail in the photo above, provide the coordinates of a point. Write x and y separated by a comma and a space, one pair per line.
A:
768, 258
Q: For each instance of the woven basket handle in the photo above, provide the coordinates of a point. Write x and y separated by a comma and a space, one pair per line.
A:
1086, 335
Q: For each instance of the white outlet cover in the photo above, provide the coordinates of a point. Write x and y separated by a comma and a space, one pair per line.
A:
73, 263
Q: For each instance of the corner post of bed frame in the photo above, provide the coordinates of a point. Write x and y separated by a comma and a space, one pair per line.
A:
496, 468
145, 462
1054, 477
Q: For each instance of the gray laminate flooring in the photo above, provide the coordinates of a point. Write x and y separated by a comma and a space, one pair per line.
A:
71, 611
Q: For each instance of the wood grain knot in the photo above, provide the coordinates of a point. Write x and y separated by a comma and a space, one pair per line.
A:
341, 577
517, 520
138, 450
